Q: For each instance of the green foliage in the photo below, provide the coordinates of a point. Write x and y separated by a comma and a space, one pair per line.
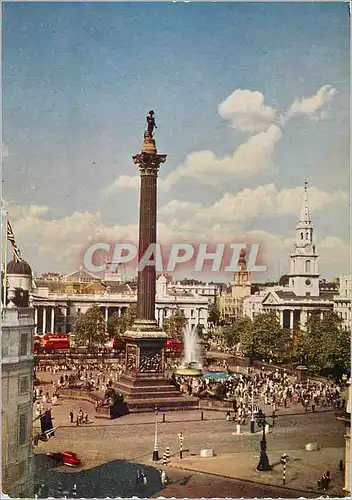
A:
326, 344
266, 338
175, 324
239, 331
117, 325
89, 329
284, 280
213, 314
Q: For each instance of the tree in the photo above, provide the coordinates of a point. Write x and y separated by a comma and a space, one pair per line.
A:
213, 314
175, 324
270, 340
239, 330
89, 329
117, 325
284, 280
326, 344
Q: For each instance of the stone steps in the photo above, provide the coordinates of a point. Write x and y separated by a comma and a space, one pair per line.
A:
177, 403
151, 392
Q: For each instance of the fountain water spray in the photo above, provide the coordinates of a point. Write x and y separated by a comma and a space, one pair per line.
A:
192, 358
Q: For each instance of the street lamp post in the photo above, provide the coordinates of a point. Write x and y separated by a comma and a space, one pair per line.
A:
263, 464
156, 451
252, 422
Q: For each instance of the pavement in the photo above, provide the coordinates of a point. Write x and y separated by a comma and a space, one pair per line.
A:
112, 451
302, 470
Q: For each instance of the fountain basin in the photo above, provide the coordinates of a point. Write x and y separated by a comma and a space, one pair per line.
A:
216, 375
189, 372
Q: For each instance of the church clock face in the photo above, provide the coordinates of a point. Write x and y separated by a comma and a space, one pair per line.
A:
308, 282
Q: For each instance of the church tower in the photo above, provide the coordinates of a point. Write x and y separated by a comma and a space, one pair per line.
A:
304, 274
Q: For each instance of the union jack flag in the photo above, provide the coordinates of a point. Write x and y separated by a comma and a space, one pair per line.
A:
11, 239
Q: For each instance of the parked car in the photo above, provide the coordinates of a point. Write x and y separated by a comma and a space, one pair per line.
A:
66, 457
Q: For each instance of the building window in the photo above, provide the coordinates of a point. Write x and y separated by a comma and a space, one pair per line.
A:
22, 429
307, 294
23, 344
301, 236
23, 384
5, 343
307, 266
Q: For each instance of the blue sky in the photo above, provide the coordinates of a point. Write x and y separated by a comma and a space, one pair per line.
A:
78, 79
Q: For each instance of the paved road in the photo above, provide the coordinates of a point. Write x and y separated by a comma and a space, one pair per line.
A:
111, 453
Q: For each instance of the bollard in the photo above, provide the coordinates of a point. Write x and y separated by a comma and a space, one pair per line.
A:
238, 429
164, 418
202, 415
252, 425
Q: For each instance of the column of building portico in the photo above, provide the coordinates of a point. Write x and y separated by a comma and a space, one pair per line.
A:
281, 315
161, 317
44, 319
321, 315
304, 319
65, 319
119, 311
52, 326
198, 316
106, 314
36, 320
291, 319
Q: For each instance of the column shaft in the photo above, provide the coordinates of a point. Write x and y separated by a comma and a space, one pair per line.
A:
44, 319
147, 237
52, 326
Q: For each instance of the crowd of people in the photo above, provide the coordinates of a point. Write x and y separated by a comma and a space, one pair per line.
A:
95, 376
250, 390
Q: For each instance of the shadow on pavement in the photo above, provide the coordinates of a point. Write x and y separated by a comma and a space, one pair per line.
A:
113, 479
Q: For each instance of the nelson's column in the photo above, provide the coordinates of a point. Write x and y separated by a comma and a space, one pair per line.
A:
143, 384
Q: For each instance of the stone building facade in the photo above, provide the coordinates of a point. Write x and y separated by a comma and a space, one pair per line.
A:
17, 363
58, 303
342, 301
303, 296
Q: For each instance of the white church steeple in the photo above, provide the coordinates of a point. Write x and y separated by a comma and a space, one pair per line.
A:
304, 274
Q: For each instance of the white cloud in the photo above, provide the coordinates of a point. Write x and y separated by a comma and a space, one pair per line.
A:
246, 111
59, 244
249, 158
311, 107
177, 207
290, 200
334, 251
122, 182
262, 201
16, 211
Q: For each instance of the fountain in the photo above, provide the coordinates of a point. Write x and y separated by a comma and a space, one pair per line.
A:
192, 363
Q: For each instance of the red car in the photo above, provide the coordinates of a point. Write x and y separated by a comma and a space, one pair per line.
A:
66, 457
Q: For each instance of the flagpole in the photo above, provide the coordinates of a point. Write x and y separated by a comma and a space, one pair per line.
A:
5, 261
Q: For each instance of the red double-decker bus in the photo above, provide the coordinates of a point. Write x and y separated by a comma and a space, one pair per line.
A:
174, 346
51, 342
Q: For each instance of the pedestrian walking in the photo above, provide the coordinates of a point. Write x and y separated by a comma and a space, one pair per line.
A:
71, 417
138, 477
164, 478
